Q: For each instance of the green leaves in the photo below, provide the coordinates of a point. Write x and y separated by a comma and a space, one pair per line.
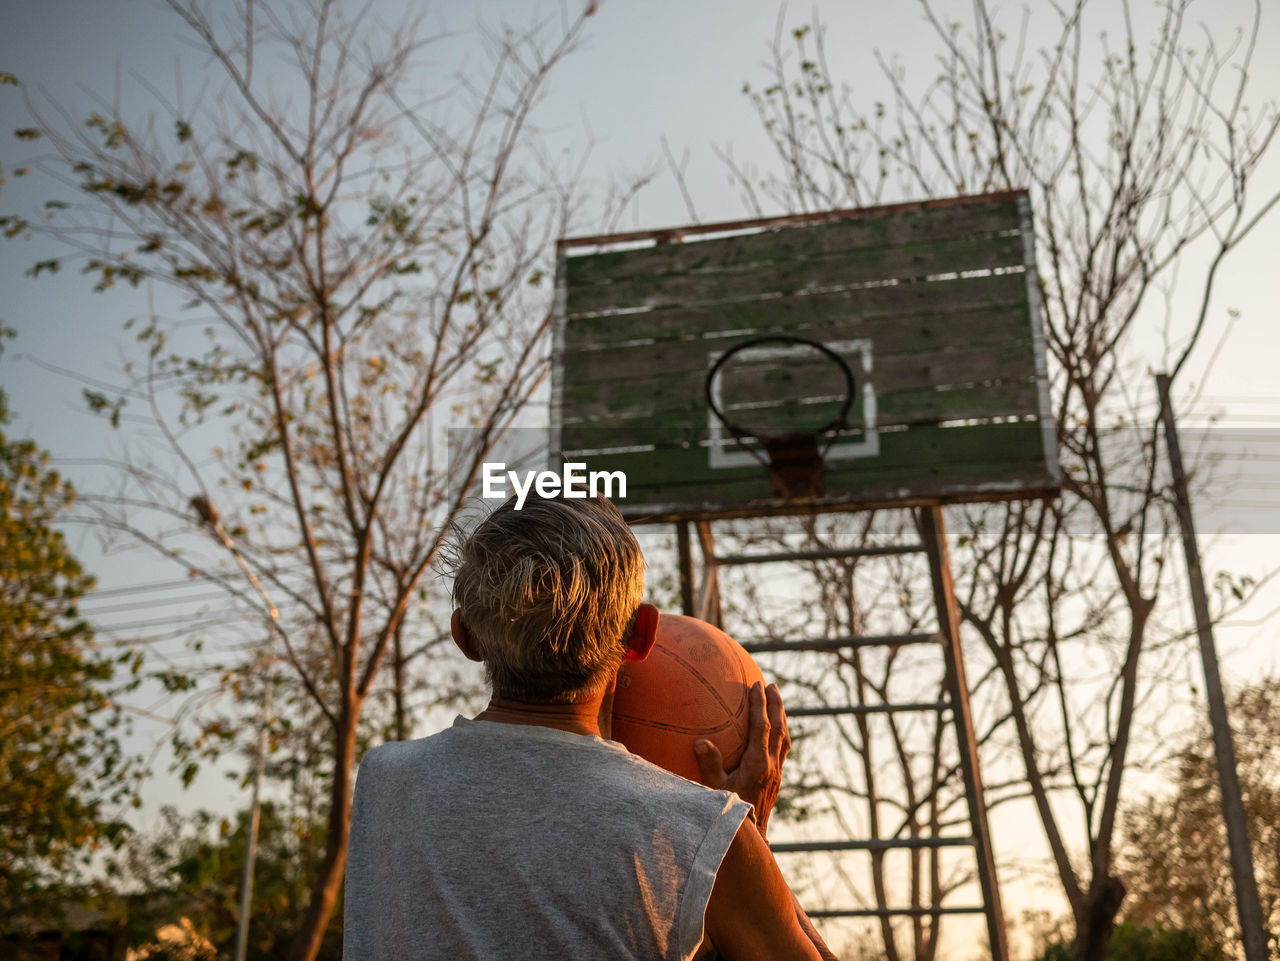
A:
174, 681
13, 226
397, 218
109, 271
1237, 586
487, 372
323, 243
56, 718
100, 403
50, 266
112, 131
242, 158
1175, 860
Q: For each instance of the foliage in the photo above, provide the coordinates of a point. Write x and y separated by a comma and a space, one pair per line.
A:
190, 867
61, 765
1131, 942
357, 252
1175, 855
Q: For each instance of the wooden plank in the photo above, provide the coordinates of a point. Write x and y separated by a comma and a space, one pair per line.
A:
923, 382
1002, 399
927, 452
643, 411
672, 234
788, 277
995, 325
788, 243
781, 380
658, 405
659, 512
897, 363
926, 304
788, 419
986, 402
748, 498
640, 407
999, 482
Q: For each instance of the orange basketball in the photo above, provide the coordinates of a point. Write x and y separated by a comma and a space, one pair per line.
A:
695, 683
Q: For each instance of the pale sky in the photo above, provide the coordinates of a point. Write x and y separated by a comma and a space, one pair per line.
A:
650, 68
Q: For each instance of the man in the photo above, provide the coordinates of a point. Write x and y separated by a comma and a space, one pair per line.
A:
525, 832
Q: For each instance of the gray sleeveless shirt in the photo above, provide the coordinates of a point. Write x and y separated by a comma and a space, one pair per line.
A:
496, 841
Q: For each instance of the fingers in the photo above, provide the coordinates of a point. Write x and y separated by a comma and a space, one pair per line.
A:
758, 725
710, 764
779, 735
768, 742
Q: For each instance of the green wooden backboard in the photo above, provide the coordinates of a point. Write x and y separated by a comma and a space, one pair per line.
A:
934, 306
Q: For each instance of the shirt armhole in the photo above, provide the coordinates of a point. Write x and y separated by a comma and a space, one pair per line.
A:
691, 916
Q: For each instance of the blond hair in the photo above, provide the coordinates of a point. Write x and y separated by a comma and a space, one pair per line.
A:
549, 594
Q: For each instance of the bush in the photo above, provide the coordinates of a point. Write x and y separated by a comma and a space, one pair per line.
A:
1131, 942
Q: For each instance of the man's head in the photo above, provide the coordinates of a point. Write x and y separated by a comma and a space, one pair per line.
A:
547, 596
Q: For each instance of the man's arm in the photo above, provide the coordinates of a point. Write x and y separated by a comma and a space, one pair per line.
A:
756, 780
752, 915
811, 932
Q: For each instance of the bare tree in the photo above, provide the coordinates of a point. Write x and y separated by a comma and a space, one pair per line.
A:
358, 264
1139, 150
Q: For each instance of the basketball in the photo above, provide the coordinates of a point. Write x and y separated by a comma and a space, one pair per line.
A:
695, 683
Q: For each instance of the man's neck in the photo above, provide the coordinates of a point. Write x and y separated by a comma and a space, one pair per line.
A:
590, 716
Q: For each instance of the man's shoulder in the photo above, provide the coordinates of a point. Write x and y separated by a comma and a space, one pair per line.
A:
395, 754
528, 753
659, 789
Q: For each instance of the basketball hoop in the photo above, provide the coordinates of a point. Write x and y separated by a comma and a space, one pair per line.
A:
794, 461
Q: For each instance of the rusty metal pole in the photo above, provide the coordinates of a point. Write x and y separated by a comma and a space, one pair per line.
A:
685, 555
709, 592
933, 533
1253, 934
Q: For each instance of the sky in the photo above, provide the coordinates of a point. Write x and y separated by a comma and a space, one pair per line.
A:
650, 69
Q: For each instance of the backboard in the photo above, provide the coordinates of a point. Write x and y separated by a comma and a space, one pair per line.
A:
929, 311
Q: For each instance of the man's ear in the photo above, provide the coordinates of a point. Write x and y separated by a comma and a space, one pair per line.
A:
462, 637
643, 633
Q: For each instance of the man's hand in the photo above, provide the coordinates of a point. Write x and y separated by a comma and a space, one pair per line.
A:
759, 774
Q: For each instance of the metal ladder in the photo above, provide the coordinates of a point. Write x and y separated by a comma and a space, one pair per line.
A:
933, 544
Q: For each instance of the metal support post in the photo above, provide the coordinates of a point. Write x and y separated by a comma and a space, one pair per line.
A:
933, 534
685, 556
1253, 934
